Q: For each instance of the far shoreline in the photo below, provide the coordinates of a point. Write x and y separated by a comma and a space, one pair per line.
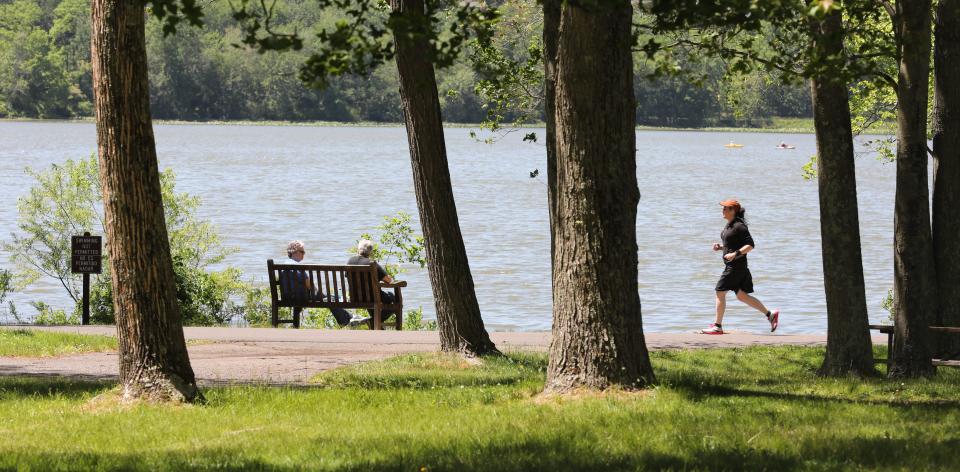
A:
779, 125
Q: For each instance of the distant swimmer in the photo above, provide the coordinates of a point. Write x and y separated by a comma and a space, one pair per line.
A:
784, 145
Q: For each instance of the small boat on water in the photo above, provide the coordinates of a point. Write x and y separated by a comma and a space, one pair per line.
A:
732, 144
785, 146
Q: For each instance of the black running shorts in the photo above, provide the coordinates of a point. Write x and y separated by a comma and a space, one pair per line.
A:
735, 279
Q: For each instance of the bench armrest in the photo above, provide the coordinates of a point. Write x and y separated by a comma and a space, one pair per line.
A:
398, 283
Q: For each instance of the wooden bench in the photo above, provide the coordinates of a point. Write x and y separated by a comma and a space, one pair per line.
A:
330, 286
952, 360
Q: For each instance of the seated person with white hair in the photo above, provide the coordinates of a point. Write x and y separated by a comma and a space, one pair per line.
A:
364, 249
297, 282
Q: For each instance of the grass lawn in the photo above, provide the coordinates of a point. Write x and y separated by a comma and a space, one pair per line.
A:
36, 343
738, 409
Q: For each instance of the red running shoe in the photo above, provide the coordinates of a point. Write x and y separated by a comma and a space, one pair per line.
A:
713, 329
774, 320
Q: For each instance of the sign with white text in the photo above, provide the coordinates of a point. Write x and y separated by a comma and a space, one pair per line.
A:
85, 254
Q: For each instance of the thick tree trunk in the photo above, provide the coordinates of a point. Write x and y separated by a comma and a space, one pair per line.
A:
153, 354
849, 349
551, 35
458, 313
597, 333
915, 291
946, 168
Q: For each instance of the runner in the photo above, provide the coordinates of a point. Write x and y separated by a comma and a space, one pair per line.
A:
737, 242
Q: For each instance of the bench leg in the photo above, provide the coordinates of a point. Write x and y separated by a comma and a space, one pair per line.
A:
889, 351
296, 317
274, 316
377, 322
399, 317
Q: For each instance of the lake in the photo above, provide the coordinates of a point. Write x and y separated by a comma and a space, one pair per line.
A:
262, 186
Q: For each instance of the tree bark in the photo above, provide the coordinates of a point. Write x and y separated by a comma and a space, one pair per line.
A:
849, 348
597, 331
551, 33
458, 313
915, 291
946, 169
153, 354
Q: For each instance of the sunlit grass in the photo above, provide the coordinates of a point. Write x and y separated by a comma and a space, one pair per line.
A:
36, 343
735, 409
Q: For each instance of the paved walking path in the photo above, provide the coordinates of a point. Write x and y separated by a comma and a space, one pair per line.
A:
267, 355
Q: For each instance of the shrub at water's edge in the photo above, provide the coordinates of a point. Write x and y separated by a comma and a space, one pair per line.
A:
66, 200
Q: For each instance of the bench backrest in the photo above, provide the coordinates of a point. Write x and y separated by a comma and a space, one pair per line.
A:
332, 286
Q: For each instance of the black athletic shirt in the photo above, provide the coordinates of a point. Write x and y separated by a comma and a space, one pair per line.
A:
735, 235
360, 260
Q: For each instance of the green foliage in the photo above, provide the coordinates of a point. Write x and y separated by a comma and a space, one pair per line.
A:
510, 68
34, 80
413, 321
199, 74
66, 201
809, 170
35, 343
363, 37
675, 86
318, 318
172, 12
888, 304
256, 306
47, 315
398, 244
6, 282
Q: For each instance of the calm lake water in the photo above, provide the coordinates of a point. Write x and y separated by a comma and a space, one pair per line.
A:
265, 185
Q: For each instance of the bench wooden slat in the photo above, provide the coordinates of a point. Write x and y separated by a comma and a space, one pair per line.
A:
330, 286
944, 329
886, 329
336, 287
889, 331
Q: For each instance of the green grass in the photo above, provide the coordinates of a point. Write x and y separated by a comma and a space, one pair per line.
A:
36, 343
735, 409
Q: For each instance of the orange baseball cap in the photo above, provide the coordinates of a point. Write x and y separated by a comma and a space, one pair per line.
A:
730, 203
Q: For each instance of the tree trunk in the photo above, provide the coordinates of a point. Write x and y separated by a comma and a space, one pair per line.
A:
551, 33
915, 291
458, 314
153, 354
597, 333
946, 169
849, 349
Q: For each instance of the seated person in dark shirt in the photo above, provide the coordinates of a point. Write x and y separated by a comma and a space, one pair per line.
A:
298, 284
295, 282
364, 249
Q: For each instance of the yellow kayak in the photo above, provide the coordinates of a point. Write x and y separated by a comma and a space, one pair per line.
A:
733, 145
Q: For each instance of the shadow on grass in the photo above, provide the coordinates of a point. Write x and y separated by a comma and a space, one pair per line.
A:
30, 386
696, 387
23, 333
525, 454
430, 371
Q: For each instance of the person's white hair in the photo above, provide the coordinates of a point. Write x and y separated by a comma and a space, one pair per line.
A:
364, 247
294, 246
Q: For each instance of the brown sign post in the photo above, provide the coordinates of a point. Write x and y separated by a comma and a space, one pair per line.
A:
85, 255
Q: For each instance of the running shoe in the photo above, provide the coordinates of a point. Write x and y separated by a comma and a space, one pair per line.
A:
359, 320
713, 329
774, 320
